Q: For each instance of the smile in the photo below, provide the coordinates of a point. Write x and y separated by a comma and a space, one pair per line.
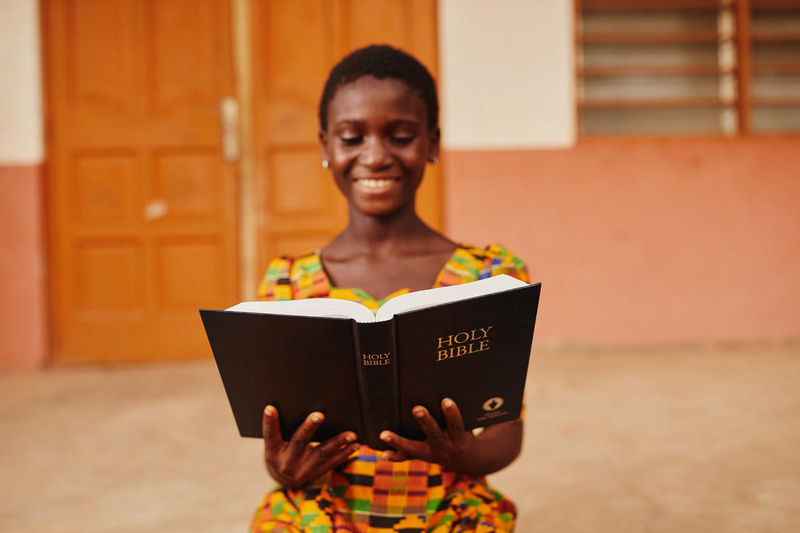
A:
380, 183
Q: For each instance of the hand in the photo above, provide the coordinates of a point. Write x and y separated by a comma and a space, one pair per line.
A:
451, 448
295, 463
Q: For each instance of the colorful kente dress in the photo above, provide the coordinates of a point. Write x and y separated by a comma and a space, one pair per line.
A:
368, 494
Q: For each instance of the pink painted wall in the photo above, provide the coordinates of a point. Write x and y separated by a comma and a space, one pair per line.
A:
23, 325
644, 242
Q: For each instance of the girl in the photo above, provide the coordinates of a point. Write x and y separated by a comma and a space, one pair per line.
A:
379, 129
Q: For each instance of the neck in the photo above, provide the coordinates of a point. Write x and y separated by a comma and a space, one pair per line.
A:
380, 236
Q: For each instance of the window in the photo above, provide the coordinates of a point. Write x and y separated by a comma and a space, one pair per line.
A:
688, 66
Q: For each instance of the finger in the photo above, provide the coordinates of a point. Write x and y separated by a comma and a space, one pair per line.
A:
333, 445
303, 435
336, 459
433, 432
411, 449
271, 431
455, 424
394, 456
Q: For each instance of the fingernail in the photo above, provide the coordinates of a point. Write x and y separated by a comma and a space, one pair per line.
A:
448, 402
316, 417
350, 437
269, 411
419, 413
385, 455
386, 436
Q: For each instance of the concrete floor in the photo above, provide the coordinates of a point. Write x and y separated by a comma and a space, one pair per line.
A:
657, 441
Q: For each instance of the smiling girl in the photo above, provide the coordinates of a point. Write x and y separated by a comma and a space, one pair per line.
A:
378, 130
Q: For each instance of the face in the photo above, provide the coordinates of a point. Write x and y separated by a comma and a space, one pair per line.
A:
378, 143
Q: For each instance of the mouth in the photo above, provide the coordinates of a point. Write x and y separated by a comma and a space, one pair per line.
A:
376, 183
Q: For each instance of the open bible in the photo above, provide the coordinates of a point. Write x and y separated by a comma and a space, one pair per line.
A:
365, 371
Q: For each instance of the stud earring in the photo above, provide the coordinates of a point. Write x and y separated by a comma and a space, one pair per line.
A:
434, 160
325, 163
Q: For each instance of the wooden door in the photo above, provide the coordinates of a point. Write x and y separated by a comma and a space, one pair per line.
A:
142, 205
295, 44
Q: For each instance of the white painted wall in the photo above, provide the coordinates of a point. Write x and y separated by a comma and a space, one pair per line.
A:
21, 140
507, 74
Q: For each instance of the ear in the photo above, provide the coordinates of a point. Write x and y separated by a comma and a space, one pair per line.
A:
323, 145
435, 138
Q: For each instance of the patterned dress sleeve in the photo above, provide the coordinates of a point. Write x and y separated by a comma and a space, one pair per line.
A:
277, 283
499, 260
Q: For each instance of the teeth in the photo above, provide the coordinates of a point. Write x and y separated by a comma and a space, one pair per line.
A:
376, 184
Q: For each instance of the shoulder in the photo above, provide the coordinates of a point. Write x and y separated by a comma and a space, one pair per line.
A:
290, 278
276, 283
496, 259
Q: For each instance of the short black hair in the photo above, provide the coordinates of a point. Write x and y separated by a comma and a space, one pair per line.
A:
381, 61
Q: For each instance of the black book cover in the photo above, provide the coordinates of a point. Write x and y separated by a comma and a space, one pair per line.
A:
298, 364
474, 351
367, 377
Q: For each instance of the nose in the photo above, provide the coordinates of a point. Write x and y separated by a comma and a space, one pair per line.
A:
375, 154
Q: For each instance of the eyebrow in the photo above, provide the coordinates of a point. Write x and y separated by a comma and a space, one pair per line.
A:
396, 122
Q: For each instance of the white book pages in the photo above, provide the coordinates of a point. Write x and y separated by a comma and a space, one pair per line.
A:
443, 295
334, 308
324, 307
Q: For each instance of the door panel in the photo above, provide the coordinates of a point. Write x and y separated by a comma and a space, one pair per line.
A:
143, 210
297, 206
388, 21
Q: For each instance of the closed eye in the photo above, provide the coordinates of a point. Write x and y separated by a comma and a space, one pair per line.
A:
402, 140
352, 141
